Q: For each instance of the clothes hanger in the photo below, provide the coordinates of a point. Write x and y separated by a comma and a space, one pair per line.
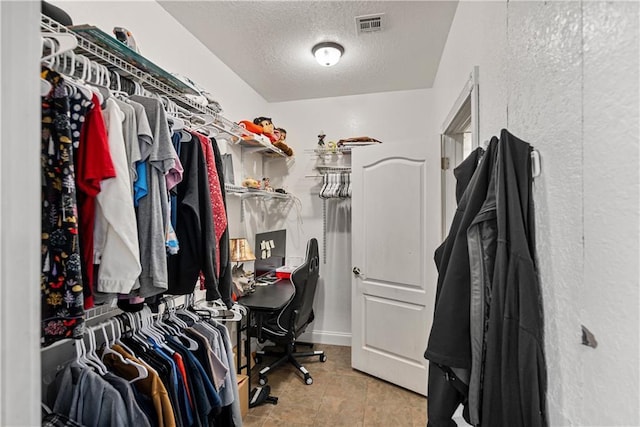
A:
142, 370
88, 363
177, 124
199, 121
191, 344
163, 325
118, 92
45, 86
136, 333
92, 352
72, 80
155, 337
218, 311
101, 82
116, 323
85, 78
172, 315
183, 310
63, 42
79, 345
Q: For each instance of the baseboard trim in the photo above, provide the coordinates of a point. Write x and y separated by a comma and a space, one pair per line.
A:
327, 337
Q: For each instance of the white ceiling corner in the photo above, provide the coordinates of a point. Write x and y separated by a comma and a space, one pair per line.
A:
268, 43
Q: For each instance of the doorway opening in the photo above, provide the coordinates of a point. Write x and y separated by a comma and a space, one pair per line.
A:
460, 134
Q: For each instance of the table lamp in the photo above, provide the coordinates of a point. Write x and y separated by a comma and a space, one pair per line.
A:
241, 251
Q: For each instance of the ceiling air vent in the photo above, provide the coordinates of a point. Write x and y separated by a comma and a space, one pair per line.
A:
369, 23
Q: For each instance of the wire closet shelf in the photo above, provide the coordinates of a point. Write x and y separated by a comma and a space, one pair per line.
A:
148, 81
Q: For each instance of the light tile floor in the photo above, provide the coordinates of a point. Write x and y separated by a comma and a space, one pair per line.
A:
339, 396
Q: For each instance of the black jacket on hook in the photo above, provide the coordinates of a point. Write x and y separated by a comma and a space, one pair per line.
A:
487, 328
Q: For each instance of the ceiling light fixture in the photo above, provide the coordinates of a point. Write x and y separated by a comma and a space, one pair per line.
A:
327, 53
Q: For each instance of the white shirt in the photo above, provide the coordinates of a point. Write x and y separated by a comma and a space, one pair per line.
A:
116, 246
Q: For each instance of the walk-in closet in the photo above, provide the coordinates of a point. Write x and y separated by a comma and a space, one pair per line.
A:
322, 213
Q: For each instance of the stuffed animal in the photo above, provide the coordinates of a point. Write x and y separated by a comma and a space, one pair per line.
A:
243, 281
266, 184
251, 183
264, 126
281, 144
267, 127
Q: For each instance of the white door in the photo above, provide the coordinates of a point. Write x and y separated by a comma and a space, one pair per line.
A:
390, 296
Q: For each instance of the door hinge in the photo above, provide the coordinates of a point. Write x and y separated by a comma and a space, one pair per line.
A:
444, 163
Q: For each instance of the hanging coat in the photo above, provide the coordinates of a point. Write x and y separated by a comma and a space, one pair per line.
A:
487, 330
515, 374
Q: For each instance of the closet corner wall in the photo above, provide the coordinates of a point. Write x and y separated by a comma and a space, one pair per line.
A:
19, 214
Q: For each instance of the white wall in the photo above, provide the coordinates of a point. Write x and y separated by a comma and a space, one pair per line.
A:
19, 215
391, 117
564, 77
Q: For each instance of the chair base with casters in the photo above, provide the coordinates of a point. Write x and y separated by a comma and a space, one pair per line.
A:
289, 355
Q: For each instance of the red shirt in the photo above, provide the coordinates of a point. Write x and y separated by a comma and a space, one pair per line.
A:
217, 202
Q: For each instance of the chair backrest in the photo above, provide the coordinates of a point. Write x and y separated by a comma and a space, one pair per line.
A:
305, 280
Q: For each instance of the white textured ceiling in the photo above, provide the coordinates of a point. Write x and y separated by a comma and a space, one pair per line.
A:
268, 43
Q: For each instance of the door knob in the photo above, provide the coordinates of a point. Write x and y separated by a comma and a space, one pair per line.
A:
356, 271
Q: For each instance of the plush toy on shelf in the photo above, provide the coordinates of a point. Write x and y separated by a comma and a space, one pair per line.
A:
267, 127
264, 126
266, 184
251, 183
281, 144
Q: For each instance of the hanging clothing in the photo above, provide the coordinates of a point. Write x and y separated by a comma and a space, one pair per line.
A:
93, 165
116, 246
515, 373
58, 420
151, 386
217, 369
225, 284
226, 384
74, 395
152, 213
130, 135
217, 202
135, 416
486, 338
145, 142
62, 301
194, 226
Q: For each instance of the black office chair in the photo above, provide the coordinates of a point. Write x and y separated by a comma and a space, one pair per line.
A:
284, 327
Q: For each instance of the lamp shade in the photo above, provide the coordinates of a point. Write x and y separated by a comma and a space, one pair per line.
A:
327, 53
241, 251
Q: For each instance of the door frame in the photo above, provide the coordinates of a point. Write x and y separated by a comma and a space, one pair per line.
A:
465, 113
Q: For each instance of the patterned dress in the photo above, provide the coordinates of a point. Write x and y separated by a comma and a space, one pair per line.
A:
61, 276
